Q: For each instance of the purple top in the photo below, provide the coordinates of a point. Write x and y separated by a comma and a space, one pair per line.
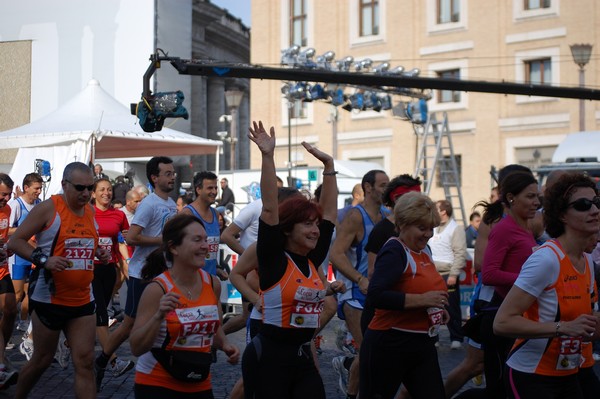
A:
508, 247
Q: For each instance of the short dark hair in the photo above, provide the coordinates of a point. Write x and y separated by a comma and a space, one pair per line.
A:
75, 166
31, 178
558, 197
370, 178
153, 168
6, 180
446, 206
201, 176
474, 215
172, 235
404, 180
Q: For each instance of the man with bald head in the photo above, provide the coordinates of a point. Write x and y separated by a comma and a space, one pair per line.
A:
132, 200
61, 286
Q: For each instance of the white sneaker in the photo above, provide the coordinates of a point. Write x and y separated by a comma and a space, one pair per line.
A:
111, 322
7, 378
455, 345
23, 325
596, 356
63, 354
119, 367
26, 348
338, 366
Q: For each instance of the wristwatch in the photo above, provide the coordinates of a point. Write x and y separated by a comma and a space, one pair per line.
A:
39, 258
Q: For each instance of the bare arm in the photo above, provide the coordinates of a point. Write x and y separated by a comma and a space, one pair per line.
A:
268, 182
329, 193
246, 263
481, 242
510, 322
220, 340
137, 239
345, 236
228, 237
153, 308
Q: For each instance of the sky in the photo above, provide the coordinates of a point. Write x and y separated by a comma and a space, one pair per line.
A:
238, 8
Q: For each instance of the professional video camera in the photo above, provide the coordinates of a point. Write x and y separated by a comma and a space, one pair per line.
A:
153, 109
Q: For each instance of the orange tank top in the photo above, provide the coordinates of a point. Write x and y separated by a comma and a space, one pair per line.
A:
191, 327
296, 301
76, 238
570, 295
419, 277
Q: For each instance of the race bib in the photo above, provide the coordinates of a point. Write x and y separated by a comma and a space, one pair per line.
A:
569, 353
80, 252
106, 243
213, 248
308, 304
197, 326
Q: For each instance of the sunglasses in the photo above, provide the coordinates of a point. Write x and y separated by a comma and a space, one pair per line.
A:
81, 187
584, 204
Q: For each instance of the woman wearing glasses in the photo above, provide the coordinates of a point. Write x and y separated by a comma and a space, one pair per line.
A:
549, 308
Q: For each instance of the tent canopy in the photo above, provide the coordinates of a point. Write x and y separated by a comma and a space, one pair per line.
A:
93, 119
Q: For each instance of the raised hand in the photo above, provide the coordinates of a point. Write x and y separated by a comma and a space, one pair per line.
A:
265, 141
315, 152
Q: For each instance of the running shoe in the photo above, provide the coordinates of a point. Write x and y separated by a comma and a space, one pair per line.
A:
318, 341
596, 356
119, 367
63, 354
338, 367
23, 325
455, 345
26, 348
7, 378
111, 322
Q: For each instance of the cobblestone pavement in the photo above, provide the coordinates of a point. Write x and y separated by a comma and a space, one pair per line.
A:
58, 383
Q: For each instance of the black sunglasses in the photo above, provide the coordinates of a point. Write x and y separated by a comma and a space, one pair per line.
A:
584, 204
81, 187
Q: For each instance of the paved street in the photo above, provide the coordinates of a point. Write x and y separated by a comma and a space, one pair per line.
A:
58, 383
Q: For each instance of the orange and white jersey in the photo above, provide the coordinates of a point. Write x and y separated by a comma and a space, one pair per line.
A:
76, 238
419, 277
296, 301
4, 226
191, 327
563, 294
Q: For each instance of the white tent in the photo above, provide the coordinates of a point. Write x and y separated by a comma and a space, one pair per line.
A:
93, 125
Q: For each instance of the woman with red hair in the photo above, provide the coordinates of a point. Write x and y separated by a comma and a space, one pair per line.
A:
293, 240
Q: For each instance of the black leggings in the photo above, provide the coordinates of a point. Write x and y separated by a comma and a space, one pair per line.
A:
153, 392
495, 354
103, 284
533, 386
272, 370
390, 358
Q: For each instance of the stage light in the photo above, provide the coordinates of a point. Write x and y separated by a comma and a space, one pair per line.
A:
363, 65
305, 58
413, 73
344, 64
397, 70
324, 60
289, 55
381, 68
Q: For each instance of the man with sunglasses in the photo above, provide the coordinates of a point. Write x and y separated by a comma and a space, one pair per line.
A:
145, 234
61, 290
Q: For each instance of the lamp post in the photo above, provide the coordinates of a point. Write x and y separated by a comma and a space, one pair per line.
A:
233, 98
581, 55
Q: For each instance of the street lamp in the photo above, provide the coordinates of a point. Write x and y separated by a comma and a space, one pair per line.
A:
581, 55
233, 98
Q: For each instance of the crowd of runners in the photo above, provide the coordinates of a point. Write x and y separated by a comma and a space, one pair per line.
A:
397, 256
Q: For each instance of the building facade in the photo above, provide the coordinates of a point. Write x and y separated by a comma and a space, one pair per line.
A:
521, 41
52, 50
